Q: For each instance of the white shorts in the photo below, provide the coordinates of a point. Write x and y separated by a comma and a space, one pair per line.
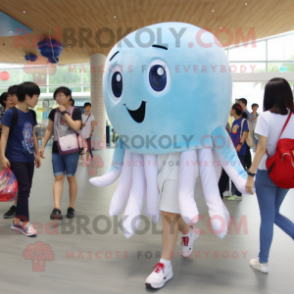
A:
169, 201
169, 197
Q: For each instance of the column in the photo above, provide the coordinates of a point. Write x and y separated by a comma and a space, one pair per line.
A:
97, 62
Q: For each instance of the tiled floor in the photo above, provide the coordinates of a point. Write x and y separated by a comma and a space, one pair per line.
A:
99, 259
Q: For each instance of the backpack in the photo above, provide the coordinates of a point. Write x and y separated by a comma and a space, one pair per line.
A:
281, 165
250, 138
15, 118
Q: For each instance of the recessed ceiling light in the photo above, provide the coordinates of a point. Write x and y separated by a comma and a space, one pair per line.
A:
245, 3
114, 16
220, 27
212, 10
24, 12
68, 46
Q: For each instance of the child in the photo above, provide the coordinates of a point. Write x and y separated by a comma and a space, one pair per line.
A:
239, 133
18, 144
87, 130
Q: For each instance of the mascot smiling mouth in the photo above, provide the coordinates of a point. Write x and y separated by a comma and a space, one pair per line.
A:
139, 114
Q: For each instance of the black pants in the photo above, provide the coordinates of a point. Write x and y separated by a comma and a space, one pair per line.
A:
23, 172
248, 160
222, 184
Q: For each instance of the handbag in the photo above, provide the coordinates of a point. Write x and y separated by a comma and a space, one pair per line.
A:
67, 144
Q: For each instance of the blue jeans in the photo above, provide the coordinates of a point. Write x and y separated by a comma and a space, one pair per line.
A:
234, 189
270, 198
65, 164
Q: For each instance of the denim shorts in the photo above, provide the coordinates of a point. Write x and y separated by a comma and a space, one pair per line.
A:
65, 164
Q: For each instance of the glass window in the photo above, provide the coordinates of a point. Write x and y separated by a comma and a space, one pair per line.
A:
281, 48
66, 75
281, 67
253, 92
247, 67
8, 78
248, 53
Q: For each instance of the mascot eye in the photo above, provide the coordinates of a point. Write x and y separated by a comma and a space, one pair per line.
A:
117, 84
157, 77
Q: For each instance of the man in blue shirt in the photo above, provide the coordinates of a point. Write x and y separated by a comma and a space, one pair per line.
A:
239, 133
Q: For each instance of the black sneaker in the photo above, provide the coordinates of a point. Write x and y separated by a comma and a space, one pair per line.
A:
70, 213
56, 214
10, 213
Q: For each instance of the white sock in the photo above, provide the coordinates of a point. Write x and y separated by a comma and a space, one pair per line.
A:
188, 235
165, 262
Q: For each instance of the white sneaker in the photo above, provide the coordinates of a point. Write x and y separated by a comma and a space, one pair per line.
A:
262, 267
187, 243
160, 275
227, 194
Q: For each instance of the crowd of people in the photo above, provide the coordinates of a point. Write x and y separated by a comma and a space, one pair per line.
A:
20, 152
243, 138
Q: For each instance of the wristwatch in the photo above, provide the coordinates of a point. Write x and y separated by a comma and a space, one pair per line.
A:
250, 174
64, 112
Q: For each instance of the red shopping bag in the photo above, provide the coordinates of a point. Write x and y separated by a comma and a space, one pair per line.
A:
8, 185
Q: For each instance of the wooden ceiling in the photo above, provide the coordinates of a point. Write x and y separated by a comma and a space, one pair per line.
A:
267, 17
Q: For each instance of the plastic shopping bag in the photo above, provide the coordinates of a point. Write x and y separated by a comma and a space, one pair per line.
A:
8, 185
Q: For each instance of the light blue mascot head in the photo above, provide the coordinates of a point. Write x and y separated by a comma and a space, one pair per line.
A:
167, 87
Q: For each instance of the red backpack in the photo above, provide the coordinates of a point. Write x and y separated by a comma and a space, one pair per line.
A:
281, 165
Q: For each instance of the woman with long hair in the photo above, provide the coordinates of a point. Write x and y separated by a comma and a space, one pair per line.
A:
277, 105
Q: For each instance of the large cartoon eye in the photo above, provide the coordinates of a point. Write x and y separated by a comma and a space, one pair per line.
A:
117, 84
158, 76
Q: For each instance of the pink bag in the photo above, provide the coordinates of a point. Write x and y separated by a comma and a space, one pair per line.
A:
8, 185
67, 144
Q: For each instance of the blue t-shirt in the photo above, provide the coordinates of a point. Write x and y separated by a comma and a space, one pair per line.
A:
20, 144
236, 134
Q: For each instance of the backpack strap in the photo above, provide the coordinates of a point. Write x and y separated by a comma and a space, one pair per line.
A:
242, 123
14, 119
286, 123
88, 117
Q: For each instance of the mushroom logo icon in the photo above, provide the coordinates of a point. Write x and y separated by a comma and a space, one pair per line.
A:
95, 163
39, 253
40, 69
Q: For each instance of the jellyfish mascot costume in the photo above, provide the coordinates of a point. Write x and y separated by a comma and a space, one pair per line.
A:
167, 90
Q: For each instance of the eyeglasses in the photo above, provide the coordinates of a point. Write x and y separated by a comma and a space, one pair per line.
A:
59, 96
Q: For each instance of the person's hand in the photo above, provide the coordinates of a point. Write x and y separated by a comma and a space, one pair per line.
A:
37, 161
42, 152
249, 185
91, 134
83, 125
5, 163
238, 148
62, 108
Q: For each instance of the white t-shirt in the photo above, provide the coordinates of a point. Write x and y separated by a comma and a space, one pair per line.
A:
270, 125
86, 130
